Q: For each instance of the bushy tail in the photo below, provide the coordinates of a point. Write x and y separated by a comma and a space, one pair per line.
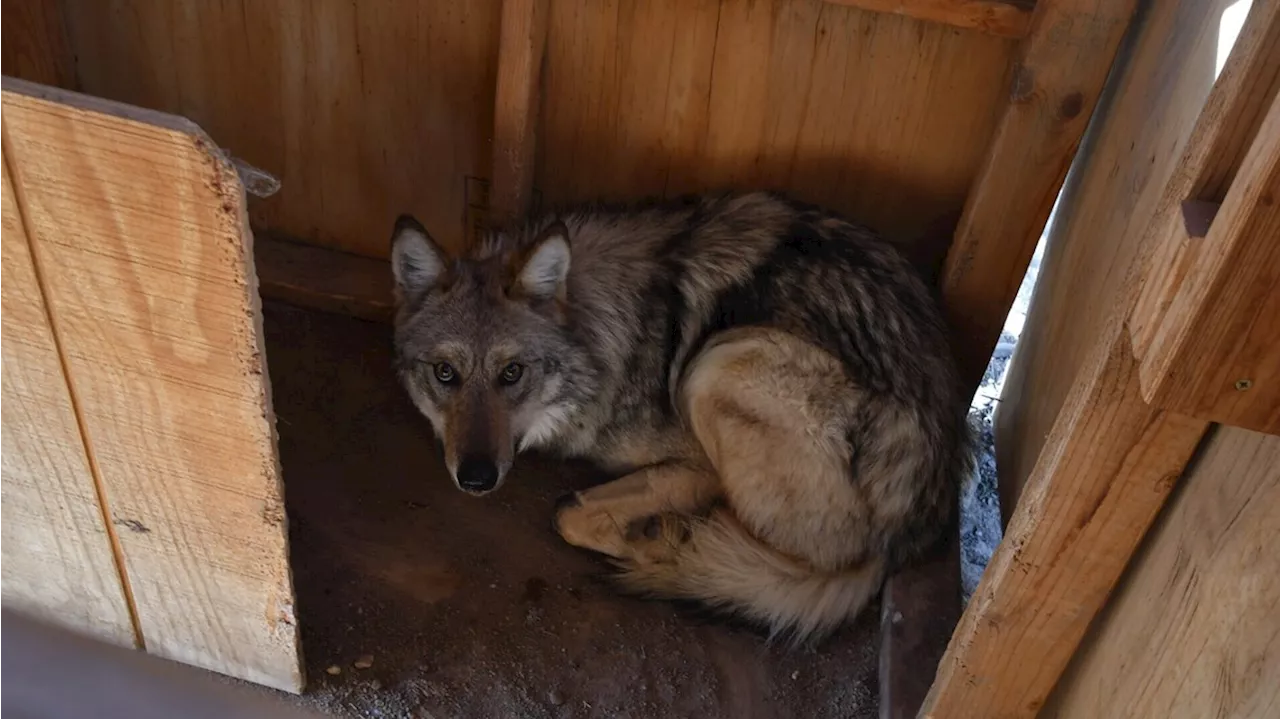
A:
725, 568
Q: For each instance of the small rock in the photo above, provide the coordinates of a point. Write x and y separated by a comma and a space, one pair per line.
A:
555, 698
795, 675
333, 670
375, 685
363, 662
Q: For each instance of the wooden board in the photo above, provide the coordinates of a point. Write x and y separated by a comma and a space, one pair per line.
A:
883, 117
58, 559
138, 228
1194, 629
325, 279
1126, 160
1107, 468
1059, 74
1206, 324
363, 110
1009, 18
516, 105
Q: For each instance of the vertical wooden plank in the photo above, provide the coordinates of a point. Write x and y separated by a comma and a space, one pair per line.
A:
524, 35
1058, 77
1194, 628
35, 43
138, 227
58, 559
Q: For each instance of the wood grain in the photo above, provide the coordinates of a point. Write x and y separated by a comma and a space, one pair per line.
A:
35, 43
325, 279
1194, 628
139, 231
1008, 18
1215, 352
58, 559
1205, 323
1125, 162
523, 39
362, 110
1058, 76
882, 117
1106, 470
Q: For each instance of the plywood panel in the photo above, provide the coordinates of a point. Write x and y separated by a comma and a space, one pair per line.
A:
883, 117
1194, 630
363, 110
146, 258
58, 560
1125, 162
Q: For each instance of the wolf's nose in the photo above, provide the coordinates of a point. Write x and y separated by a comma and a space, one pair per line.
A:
477, 474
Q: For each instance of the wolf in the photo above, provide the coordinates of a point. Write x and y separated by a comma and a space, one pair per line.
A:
770, 383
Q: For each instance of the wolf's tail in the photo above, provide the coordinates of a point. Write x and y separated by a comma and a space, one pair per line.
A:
722, 566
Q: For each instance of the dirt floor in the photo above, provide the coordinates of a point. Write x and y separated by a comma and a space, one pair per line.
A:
473, 607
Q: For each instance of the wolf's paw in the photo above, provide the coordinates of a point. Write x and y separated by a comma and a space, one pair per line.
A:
590, 528
658, 538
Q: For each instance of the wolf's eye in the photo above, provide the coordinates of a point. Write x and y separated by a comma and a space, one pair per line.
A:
511, 373
445, 373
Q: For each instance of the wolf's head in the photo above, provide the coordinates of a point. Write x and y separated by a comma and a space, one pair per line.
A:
482, 346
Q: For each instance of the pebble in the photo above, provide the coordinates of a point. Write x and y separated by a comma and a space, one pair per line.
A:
333, 670
364, 662
555, 698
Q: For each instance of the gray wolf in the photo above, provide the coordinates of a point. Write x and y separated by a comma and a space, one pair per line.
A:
770, 383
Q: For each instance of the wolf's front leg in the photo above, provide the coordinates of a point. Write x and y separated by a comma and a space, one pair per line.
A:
612, 518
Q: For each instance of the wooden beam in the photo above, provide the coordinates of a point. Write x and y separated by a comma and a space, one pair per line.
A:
58, 562
139, 234
515, 112
1106, 470
1003, 18
324, 279
1215, 348
1207, 323
1061, 68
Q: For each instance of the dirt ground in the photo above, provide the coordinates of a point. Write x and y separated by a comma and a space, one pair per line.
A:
474, 607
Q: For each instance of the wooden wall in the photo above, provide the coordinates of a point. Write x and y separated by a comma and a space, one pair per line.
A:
366, 110
1194, 628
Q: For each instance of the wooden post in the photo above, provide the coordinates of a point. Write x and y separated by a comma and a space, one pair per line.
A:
1056, 81
515, 111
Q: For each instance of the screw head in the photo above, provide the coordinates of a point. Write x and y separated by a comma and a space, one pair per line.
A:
1243, 384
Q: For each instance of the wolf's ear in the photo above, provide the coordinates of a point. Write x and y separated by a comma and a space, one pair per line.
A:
416, 261
546, 264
